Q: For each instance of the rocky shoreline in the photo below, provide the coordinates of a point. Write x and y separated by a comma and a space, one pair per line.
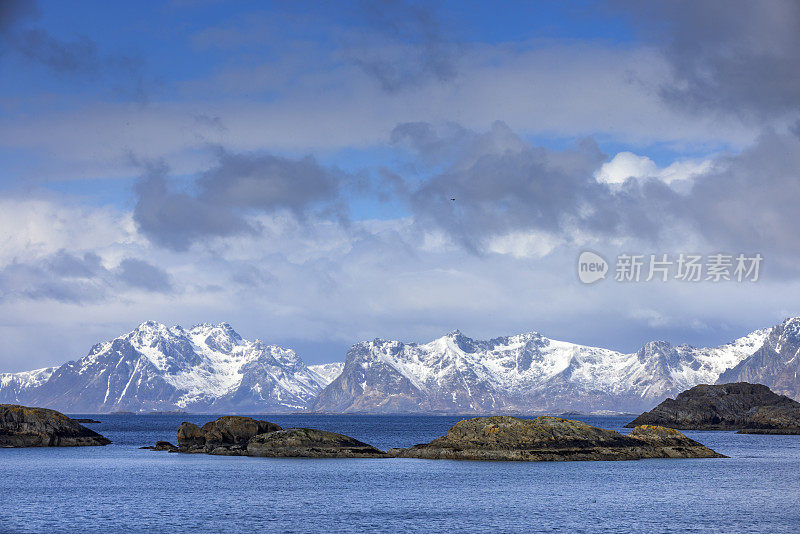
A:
22, 426
744, 407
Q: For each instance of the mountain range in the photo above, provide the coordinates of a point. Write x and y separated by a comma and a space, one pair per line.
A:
521, 374
208, 368
211, 368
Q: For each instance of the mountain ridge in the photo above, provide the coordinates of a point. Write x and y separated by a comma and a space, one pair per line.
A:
211, 368
154, 367
524, 373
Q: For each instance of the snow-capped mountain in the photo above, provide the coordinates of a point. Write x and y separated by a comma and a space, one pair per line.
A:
13, 386
206, 368
522, 373
210, 368
775, 364
327, 371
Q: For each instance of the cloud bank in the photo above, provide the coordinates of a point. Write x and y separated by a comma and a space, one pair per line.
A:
392, 170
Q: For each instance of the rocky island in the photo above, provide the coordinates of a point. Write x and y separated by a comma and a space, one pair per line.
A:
553, 439
748, 408
244, 436
21, 426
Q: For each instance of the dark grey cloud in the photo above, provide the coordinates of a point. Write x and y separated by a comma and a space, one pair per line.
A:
266, 182
751, 201
142, 275
66, 265
730, 56
434, 144
81, 57
12, 12
78, 278
223, 196
404, 44
501, 184
78, 57
175, 219
251, 276
62, 276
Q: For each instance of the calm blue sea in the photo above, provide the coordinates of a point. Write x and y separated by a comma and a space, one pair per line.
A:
120, 488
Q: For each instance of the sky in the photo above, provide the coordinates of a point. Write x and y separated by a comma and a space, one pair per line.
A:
320, 173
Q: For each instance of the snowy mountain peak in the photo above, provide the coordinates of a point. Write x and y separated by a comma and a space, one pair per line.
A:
521, 373
790, 330
659, 352
206, 368
220, 338
149, 327
224, 328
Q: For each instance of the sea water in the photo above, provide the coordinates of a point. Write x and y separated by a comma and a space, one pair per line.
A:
119, 488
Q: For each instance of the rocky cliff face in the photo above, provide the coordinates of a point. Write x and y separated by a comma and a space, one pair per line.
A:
739, 406
21, 426
775, 364
553, 439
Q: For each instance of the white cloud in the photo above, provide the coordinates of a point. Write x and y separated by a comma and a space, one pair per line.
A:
629, 165
37, 227
626, 165
523, 244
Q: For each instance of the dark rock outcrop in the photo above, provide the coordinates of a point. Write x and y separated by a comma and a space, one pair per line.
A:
86, 421
310, 443
552, 439
227, 435
163, 446
21, 426
243, 436
748, 408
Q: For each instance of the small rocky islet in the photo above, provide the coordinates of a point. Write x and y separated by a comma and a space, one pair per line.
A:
233, 435
553, 439
482, 438
23, 426
741, 406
